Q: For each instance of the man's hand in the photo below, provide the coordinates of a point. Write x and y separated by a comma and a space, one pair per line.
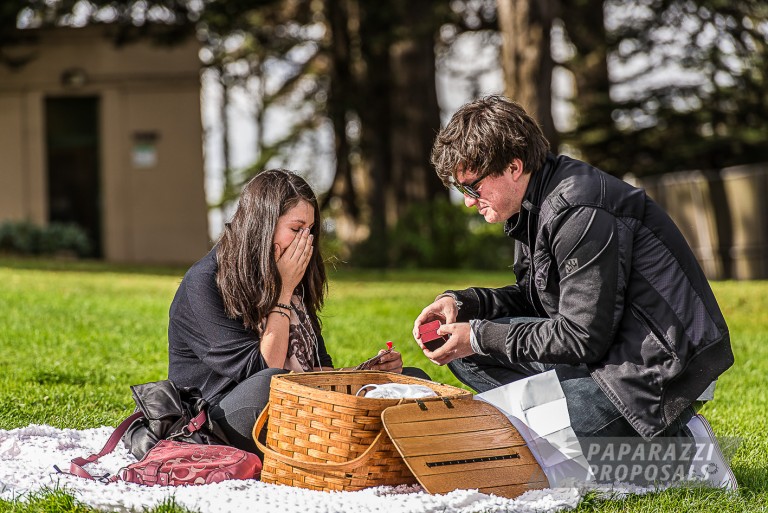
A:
443, 309
457, 345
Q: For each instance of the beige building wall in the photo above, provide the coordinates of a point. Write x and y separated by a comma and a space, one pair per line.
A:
151, 166
14, 194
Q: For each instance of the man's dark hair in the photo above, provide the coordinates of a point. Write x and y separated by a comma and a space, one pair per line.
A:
484, 136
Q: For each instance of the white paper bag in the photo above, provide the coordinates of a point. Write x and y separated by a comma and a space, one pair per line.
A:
536, 407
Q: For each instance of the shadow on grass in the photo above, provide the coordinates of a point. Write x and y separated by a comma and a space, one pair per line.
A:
753, 478
88, 266
676, 499
336, 272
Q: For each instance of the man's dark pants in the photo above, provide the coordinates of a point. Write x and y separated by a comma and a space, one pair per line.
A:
592, 413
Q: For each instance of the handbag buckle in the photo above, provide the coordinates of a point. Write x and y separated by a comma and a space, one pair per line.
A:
184, 432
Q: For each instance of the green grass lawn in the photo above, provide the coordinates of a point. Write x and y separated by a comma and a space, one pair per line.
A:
75, 335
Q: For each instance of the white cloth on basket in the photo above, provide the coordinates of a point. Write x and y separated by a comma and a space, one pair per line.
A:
396, 391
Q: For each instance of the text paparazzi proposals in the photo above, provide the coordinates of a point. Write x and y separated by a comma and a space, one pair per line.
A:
661, 461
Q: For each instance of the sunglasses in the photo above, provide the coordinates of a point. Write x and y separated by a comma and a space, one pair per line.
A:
469, 189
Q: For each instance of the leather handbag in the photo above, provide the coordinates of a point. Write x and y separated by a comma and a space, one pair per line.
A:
172, 462
170, 413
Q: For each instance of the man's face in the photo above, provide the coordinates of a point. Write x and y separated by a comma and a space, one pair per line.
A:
500, 197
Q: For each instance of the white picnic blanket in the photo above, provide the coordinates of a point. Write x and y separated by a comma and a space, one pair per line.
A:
28, 454
536, 406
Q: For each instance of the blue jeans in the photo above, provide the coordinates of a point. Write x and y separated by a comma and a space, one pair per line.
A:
592, 413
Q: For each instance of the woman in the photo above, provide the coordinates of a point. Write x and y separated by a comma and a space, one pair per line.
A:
248, 310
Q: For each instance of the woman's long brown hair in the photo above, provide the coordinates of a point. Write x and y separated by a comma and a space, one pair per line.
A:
247, 277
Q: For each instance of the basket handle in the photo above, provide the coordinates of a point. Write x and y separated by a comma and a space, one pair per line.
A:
310, 465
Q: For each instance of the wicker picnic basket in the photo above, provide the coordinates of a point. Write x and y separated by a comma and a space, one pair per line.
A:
321, 436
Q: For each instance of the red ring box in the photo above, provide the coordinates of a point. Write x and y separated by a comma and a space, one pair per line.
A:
429, 336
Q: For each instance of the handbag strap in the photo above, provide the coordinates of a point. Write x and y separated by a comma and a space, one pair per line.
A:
76, 464
197, 422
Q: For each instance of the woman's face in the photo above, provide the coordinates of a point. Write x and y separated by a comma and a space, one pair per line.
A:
290, 224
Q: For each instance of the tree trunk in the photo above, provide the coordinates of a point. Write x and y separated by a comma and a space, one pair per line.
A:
341, 91
585, 24
416, 117
527, 58
228, 187
375, 109
390, 56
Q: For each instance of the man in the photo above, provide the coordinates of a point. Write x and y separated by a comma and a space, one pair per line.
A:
608, 292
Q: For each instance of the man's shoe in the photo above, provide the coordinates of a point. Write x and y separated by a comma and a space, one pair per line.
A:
710, 466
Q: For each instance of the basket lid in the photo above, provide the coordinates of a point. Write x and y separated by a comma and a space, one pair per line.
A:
463, 444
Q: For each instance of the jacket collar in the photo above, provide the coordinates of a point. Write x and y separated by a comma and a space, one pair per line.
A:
518, 226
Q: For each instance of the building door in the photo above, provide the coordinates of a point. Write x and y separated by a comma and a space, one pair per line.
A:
72, 139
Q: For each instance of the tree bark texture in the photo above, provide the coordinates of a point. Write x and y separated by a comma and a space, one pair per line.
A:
386, 58
527, 58
341, 92
585, 24
415, 120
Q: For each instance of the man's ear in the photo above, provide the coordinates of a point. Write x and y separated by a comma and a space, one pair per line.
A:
516, 168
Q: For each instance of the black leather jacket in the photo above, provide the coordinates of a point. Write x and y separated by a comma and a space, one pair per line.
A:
617, 288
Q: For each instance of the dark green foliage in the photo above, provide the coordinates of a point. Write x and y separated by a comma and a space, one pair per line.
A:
25, 238
440, 235
696, 97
